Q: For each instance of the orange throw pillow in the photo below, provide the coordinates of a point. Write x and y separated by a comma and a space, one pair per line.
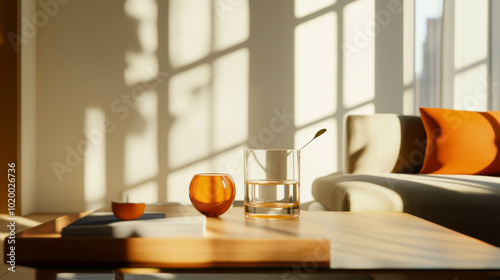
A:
461, 142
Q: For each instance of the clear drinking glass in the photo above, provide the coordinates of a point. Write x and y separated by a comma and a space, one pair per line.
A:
272, 183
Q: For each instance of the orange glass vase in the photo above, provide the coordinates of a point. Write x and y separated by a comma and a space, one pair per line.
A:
212, 193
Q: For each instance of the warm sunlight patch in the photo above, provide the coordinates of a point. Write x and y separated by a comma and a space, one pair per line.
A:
230, 99
189, 105
95, 159
189, 31
359, 53
231, 23
316, 69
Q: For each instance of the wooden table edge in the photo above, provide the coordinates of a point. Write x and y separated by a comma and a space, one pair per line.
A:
47, 238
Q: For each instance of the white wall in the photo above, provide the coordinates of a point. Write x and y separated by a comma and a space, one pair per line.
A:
28, 111
135, 97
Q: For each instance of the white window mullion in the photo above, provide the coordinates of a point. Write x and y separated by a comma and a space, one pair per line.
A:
494, 57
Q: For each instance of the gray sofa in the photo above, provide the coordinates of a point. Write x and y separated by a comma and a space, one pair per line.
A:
383, 155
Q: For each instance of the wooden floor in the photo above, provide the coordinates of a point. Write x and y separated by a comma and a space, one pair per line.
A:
22, 223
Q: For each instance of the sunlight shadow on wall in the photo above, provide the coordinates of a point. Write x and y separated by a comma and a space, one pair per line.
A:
189, 29
208, 100
141, 146
315, 91
359, 66
210, 121
189, 104
145, 13
315, 69
231, 27
366, 109
306, 7
231, 99
95, 159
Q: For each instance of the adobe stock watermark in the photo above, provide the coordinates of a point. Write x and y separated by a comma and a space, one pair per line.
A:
121, 106
10, 258
225, 7
29, 26
372, 28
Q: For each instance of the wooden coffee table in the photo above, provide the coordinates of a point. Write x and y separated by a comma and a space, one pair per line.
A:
331, 242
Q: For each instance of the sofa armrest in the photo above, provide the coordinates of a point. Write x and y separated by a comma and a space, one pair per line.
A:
384, 143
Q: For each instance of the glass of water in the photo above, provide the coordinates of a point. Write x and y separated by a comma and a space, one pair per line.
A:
272, 180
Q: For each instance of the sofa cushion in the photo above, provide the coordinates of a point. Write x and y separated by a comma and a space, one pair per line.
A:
461, 142
465, 203
396, 143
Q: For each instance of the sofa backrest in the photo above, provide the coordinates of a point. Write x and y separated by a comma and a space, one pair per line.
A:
384, 143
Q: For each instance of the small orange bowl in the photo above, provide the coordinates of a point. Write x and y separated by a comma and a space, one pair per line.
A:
128, 211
